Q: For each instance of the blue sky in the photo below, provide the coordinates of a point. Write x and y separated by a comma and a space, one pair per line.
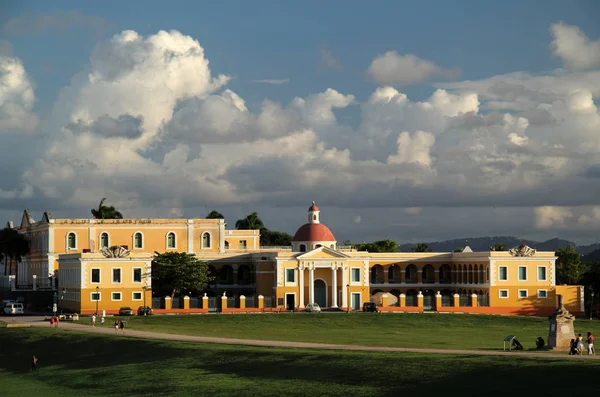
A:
401, 119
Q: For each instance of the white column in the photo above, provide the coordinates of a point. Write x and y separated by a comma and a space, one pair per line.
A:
301, 285
311, 287
334, 292
344, 289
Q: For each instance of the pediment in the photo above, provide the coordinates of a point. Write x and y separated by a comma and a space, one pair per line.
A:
26, 220
323, 253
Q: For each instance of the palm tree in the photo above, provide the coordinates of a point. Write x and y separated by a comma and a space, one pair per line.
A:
421, 247
214, 215
106, 212
499, 247
13, 247
250, 222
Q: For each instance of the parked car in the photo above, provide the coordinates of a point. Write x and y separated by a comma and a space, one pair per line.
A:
145, 310
369, 307
12, 309
313, 308
126, 311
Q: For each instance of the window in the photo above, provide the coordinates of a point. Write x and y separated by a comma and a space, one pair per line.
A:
290, 276
116, 278
95, 276
243, 244
522, 293
503, 293
542, 293
541, 273
71, 241
95, 296
226, 245
115, 296
302, 247
408, 273
137, 275
355, 275
103, 240
136, 296
138, 240
206, 240
522, 273
171, 240
502, 273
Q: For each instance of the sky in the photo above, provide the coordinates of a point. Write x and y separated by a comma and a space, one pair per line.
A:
411, 121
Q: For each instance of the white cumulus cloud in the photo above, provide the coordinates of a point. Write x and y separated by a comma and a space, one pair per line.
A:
392, 68
576, 50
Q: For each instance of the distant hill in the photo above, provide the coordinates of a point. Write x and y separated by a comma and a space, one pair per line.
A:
593, 256
484, 244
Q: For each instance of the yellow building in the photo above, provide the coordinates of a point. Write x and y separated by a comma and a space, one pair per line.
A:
314, 269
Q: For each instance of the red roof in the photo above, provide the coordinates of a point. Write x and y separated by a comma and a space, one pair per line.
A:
313, 207
313, 232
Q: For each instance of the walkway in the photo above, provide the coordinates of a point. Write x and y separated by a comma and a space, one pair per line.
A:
107, 329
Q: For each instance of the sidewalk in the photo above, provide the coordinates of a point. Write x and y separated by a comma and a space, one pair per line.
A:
107, 329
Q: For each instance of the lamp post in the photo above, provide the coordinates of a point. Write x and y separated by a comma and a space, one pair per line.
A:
62, 297
97, 299
145, 309
591, 303
348, 288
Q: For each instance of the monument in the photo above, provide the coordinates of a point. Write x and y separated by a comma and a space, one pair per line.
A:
561, 327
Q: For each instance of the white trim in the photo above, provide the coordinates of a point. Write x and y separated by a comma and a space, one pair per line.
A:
50, 240
542, 297
351, 281
137, 292
67, 248
285, 278
167, 240
100, 239
210, 240
99, 296
285, 299
519, 294
545, 273
99, 275
500, 267
519, 273
326, 288
112, 275
116, 300
133, 240
222, 235
500, 294
133, 269
190, 236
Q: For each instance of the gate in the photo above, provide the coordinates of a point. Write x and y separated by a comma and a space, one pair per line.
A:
213, 304
411, 300
157, 303
268, 302
428, 302
176, 303
447, 300
250, 302
482, 300
194, 303
465, 300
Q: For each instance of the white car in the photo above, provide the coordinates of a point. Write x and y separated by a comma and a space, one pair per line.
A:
313, 308
13, 308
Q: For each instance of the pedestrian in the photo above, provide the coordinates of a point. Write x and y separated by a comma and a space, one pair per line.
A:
51, 321
116, 326
93, 320
122, 326
102, 321
590, 343
34, 361
56, 321
579, 345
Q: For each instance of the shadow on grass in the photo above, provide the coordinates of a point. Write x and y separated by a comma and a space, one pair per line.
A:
140, 367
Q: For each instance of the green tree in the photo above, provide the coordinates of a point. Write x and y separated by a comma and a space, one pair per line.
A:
179, 271
106, 212
421, 247
214, 215
499, 247
250, 222
274, 238
459, 249
569, 266
378, 246
14, 246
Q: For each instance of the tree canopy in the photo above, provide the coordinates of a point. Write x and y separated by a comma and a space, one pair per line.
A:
499, 247
106, 212
420, 247
569, 266
13, 246
274, 238
214, 215
179, 271
250, 222
378, 246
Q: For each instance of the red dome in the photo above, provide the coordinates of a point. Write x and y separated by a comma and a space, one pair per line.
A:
313, 232
313, 207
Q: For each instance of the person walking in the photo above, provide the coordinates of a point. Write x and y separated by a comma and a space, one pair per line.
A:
122, 326
56, 321
34, 361
93, 320
51, 322
579, 345
590, 344
116, 326
102, 321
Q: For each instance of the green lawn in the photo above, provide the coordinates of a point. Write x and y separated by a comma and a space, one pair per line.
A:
80, 364
443, 331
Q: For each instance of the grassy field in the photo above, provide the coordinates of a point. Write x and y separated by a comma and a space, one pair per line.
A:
92, 365
443, 331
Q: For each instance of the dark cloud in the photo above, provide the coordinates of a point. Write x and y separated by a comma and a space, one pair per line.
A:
124, 126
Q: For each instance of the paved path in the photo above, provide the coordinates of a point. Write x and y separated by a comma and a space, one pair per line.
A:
107, 329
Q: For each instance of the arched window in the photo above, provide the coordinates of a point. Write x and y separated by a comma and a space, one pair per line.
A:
206, 240
138, 240
302, 247
103, 240
71, 241
314, 217
226, 245
171, 240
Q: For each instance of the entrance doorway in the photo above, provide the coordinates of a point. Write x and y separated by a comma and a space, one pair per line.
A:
290, 301
320, 293
356, 301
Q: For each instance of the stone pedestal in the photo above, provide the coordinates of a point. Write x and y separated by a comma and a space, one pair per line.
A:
561, 328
